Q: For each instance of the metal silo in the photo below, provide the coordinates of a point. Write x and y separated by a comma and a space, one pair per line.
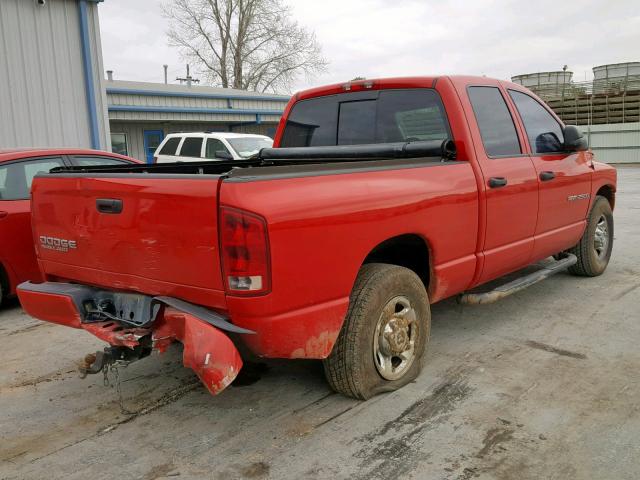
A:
616, 78
547, 85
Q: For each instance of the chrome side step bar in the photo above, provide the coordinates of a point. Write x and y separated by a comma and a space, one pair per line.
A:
518, 284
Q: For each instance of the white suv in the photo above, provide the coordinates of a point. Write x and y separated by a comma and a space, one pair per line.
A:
196, 147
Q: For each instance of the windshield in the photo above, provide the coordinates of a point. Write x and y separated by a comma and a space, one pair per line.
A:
386, 116
247, 146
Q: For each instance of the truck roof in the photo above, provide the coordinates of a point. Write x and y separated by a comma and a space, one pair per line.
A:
396, 82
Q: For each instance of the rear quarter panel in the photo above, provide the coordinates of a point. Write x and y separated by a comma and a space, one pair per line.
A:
321, 228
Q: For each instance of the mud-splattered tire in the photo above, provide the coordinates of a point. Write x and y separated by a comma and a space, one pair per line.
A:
382, 344
594, 249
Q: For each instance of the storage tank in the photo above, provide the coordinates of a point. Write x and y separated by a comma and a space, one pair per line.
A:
616, 78
546, 84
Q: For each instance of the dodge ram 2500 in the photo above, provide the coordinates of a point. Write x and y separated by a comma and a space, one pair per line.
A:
380, 198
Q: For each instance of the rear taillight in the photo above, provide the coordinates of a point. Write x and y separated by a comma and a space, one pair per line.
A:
245, 252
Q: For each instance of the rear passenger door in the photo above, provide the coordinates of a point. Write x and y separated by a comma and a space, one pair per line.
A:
564, 178
510, 182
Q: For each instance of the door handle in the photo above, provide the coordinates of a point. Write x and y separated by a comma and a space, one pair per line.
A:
3, 214
497, 182
546, 176
109, 205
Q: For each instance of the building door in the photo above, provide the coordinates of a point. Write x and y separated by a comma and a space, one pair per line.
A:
152, 138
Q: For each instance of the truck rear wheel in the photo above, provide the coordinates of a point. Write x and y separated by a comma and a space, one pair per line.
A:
594, 249
383, 339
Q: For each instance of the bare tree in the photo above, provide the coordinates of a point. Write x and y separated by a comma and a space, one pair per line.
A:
245, 44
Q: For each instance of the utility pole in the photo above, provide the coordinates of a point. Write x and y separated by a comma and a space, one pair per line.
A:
188, 79
165, 73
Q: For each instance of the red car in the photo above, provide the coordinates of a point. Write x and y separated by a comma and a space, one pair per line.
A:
17, 169
383, 197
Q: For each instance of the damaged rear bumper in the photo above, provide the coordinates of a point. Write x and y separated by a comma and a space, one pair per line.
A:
133, 321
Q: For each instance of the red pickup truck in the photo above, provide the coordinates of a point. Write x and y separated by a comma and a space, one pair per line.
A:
380, 198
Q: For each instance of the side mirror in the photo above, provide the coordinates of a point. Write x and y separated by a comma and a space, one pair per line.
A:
574, 140
224, 155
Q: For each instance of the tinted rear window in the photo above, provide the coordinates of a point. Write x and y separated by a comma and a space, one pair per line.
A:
357, 122
192, 147
494, 121
171, 146
384, 116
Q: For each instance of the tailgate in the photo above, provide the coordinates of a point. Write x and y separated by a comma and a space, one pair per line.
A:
155, 234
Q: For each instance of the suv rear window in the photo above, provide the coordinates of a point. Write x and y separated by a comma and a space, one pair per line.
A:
170, 147
384, 116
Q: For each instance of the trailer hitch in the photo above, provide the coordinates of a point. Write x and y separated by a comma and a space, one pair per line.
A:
96, 362
93, 363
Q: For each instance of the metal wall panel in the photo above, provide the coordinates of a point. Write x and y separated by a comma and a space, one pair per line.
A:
192, 102
42, 99
187, 117
615, 142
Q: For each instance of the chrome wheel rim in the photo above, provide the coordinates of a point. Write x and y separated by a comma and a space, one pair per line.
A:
395, 338
601, 237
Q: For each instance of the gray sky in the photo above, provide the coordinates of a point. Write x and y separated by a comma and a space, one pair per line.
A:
382, 38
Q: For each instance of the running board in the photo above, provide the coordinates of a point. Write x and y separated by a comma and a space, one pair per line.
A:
518, 284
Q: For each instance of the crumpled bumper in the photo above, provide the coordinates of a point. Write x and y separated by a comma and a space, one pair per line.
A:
208, 351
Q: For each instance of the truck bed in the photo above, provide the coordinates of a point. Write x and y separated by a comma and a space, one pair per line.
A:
153, 229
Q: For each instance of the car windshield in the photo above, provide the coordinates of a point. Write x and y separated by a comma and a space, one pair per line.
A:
247, 146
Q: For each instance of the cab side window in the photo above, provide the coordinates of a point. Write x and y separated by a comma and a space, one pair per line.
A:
496, 126
544, 132
16, 178
214, 145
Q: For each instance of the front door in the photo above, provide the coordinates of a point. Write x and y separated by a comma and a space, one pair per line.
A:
564, 179
510, 183
152, 138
